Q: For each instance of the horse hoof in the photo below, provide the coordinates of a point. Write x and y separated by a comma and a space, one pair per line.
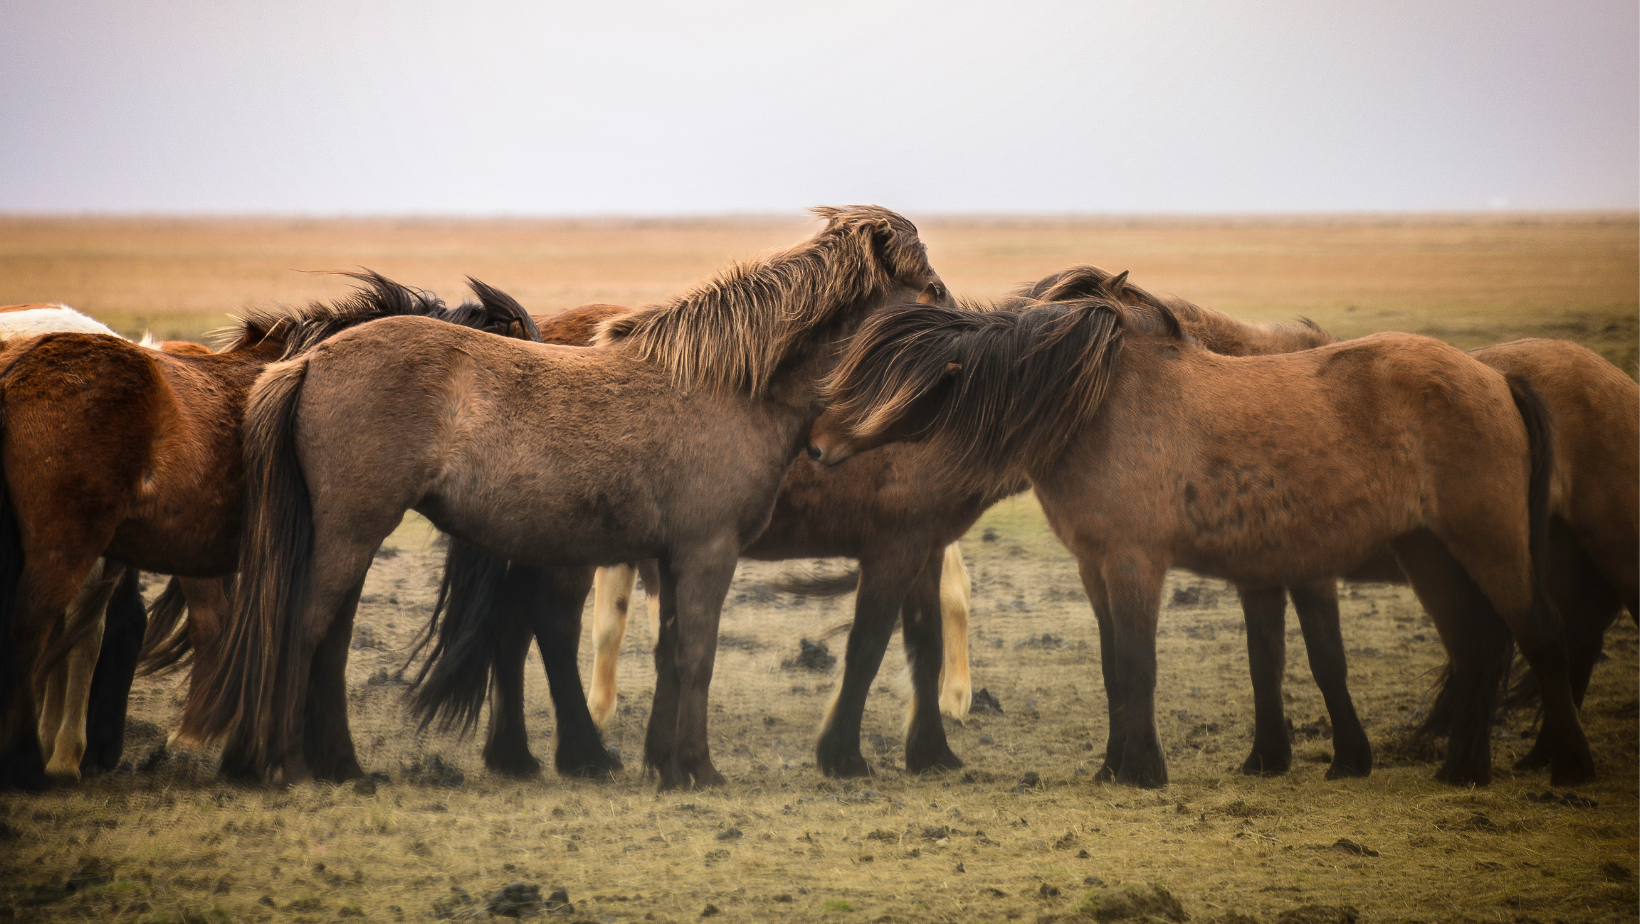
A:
1534, 760
932, 763
1454, 776
1106, 774
1575, 775
597, 766
840, 761
1349, 770
1256, 765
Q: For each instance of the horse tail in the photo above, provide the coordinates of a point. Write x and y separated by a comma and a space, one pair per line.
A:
166, 645
245, 692
1003, 390
454, 680
21, 762
1488, 628
813, 584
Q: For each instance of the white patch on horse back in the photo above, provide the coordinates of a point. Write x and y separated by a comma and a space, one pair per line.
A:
30, 322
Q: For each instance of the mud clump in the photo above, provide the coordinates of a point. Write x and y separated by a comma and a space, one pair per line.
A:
1135, 903
811, 656
434, 771
984, 701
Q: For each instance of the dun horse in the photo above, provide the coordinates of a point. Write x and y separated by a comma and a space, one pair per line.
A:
886, 515
669, 442
1148, 451
111, 449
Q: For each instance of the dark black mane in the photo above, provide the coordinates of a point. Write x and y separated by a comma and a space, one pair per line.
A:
1017, 381
378, 297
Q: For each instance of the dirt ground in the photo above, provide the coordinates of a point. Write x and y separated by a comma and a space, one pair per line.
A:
1023, 833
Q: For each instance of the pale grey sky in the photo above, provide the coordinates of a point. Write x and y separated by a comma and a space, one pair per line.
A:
498, 108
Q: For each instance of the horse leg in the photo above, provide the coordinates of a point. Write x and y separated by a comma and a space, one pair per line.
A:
956, 686
327, 742
506, 742
560, 594
71, 684
885, 575
1317, 606
124, 623
1094, 586
923, 630
611, 596
1477, 644
649, 573
702, 581
1134, 585
1542, 642
1265, 612
1587, 603
660, 739
208, 608
318, 655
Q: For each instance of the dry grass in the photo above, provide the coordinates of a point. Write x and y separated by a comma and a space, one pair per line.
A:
178, 846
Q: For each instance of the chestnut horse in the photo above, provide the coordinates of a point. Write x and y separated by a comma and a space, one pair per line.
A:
667, 442
113, 450
1148, 451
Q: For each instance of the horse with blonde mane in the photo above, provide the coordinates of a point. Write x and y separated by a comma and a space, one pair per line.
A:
1148, 451
667, 442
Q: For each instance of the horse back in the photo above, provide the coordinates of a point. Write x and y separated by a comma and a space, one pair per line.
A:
575, 326
1596, 411
469, 428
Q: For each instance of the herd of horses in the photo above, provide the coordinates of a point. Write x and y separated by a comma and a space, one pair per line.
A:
576, 451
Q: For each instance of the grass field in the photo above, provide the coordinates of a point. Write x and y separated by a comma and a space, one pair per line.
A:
164, 841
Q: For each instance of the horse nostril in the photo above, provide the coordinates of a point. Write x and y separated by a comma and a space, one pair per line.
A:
814, 452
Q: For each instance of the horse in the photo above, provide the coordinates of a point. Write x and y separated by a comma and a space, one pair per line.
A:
903, 531
1594, 536
668, 442
112, 450
1147, 451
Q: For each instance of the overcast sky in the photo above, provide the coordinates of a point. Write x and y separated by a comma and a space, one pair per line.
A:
495, 108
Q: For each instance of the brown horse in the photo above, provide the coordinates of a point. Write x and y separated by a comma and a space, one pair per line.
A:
899, 525
1594, 536
1148, 451
113, 450
668, 442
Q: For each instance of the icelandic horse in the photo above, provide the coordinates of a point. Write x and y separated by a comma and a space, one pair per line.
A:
112, 450
903, 531
1148, 451
76, 736
668, 441
1594, 526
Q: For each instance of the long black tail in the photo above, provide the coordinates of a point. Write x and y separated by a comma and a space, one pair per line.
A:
1486, 628
453, 682
244, 693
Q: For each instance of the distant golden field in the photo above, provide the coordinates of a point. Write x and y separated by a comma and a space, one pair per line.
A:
1470, 280
163, 841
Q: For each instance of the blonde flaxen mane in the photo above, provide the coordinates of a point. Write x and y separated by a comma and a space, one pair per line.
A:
735, 330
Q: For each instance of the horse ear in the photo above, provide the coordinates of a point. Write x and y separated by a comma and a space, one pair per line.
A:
931, 294
1114, 286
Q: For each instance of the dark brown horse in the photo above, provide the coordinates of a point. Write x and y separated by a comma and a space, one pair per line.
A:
667, 442
1148, 451
112, 449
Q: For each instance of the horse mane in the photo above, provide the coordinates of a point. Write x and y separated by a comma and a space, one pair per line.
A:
376, 297
1214, 330
735, 330
1021, 380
